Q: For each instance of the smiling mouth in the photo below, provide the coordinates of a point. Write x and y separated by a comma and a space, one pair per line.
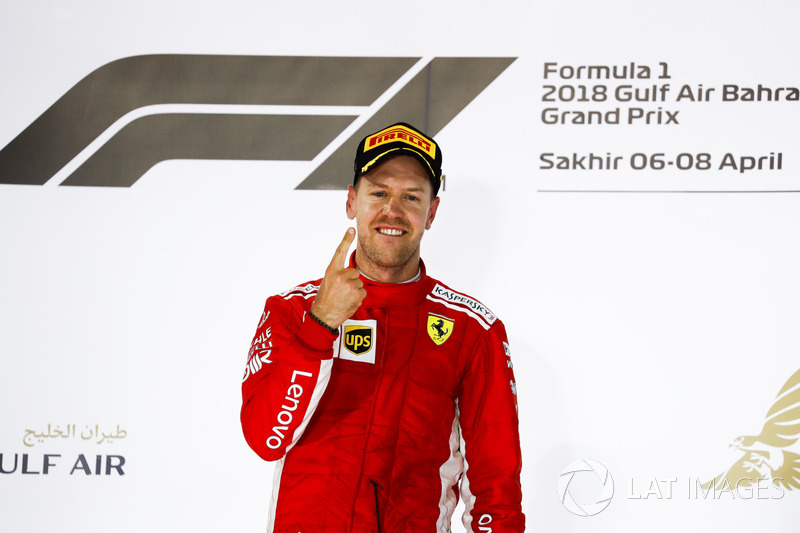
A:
392, 232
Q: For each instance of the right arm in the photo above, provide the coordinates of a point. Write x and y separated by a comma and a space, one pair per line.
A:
288, 369
290, 359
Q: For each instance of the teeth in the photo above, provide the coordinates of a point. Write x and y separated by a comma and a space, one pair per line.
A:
393, 232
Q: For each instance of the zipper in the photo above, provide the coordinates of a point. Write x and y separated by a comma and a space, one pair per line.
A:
377, 507
378, 320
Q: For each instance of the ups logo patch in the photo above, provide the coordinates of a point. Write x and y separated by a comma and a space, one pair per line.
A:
358, 339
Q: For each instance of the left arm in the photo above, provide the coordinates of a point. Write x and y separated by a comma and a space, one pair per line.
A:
489, 422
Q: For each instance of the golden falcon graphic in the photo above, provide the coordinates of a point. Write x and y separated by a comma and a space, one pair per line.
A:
765, 456
439, 328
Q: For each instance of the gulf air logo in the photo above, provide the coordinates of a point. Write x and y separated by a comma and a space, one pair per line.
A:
402, 134
357, 339
771, 455
156, 108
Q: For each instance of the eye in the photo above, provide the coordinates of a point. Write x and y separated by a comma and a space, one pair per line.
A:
379, 194
412, 198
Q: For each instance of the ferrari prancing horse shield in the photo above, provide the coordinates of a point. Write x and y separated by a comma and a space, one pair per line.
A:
439, 328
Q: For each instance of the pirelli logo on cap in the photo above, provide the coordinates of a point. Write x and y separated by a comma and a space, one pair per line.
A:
401, 134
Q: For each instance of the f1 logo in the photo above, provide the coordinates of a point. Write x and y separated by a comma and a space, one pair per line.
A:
435, 91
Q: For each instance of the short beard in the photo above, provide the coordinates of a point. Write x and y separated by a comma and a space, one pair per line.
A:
384, 258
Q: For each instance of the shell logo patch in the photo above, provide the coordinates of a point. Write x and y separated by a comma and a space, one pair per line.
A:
439, 328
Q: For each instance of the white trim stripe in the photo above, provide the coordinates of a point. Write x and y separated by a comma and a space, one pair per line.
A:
323, 378
449, 473
466, 495
276, 485
306, 296
305, 291
461, 308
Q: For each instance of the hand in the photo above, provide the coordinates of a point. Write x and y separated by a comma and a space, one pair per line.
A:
341, 290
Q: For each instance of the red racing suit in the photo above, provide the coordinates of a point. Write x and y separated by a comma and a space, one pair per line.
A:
379, 428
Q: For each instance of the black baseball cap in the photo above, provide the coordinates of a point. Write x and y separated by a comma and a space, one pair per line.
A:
399, 139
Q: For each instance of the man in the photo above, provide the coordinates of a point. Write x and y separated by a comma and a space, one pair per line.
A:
381, 391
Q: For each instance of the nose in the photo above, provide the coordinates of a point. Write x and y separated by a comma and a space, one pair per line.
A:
393, 207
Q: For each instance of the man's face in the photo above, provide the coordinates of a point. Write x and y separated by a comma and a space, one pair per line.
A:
392, 206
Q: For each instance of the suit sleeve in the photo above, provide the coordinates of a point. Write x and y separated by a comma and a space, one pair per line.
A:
288, 369
489, 422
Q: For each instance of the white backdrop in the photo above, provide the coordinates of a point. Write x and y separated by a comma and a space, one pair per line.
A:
652, 314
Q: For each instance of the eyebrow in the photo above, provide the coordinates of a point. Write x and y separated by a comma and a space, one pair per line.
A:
384, 186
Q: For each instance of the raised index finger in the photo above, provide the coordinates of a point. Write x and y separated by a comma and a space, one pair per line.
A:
340, 256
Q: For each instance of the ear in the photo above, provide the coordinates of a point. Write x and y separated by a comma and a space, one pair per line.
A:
351, 201
432, 212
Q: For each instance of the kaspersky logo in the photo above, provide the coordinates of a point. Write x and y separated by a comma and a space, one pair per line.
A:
253, 108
